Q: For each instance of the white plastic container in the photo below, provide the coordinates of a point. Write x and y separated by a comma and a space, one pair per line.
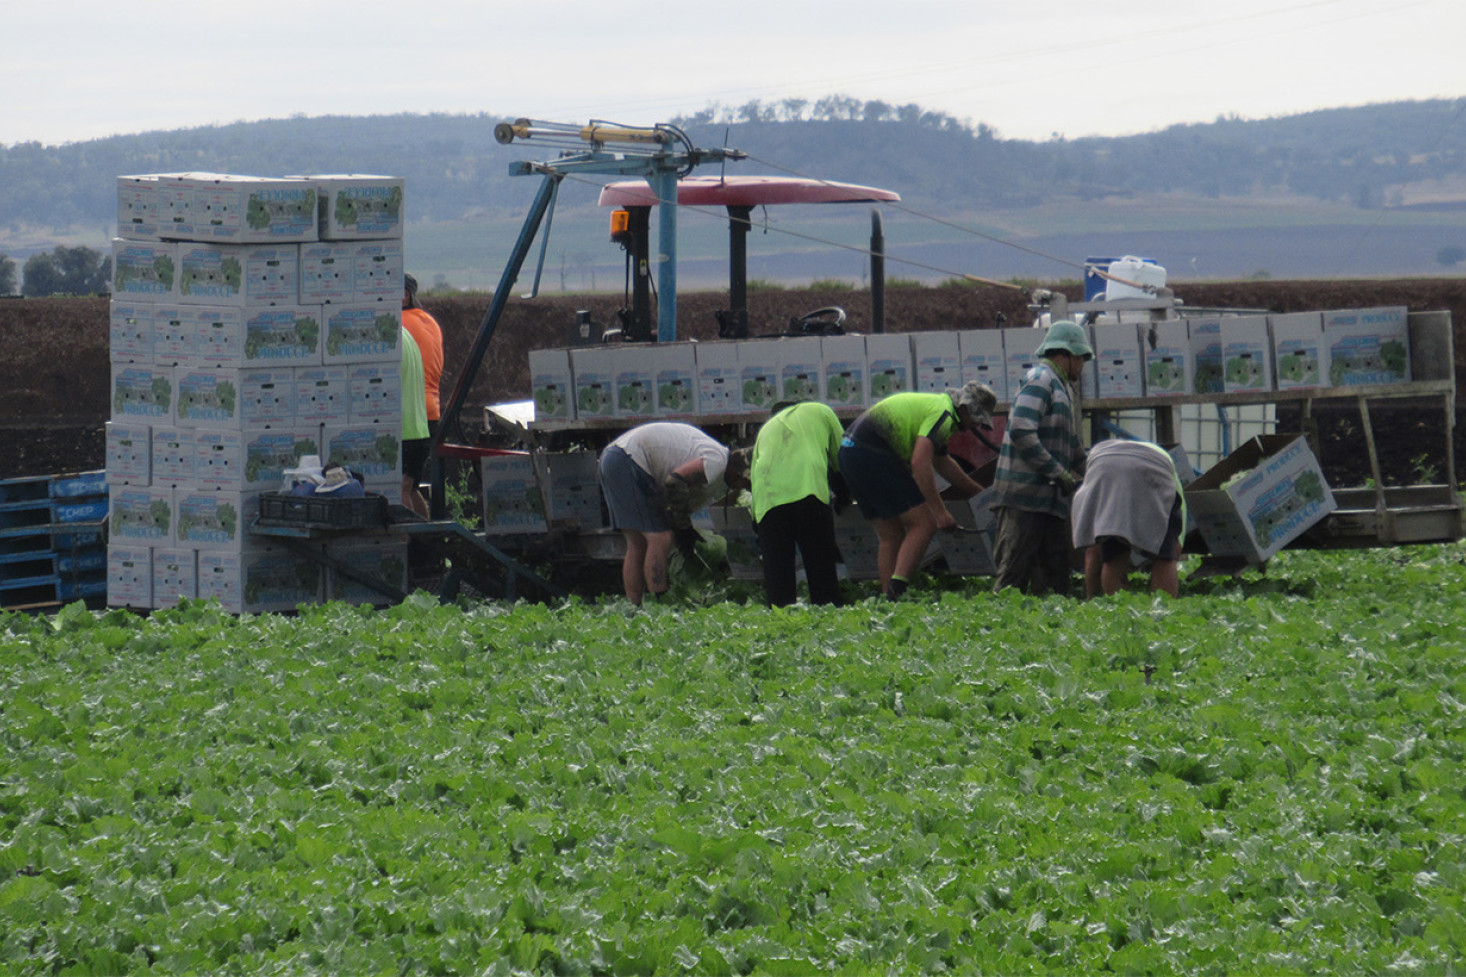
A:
1141, 271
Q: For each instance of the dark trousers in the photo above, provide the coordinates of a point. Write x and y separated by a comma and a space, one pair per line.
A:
1033, 551
810, 525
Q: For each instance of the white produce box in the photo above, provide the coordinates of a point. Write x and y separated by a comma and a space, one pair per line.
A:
593, 371
760, 373
889, 366
513, 498
1280, 494
1170, 363
1300, 357
130, 576
719, 377
1020, 344
209, 520
211, 273
144, 271
983, 360
249, 209
130, 331
1119, 363
1367, 346
175, 575
374, 393
173, 457
141, 391
1247, 354
361, 333
551, 384
354, 206
842, 366
1208, 371
129, 453
258, 578
799, 368
938, 359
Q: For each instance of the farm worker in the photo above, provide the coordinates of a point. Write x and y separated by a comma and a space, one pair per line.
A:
1039, 465
654, 477
793, 462
1131, 499
429, 338
415, 440
890, 458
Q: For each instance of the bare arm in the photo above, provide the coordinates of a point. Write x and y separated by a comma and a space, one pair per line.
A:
948, 468
923, 456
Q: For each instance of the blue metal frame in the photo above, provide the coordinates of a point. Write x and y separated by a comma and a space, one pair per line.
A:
661, 169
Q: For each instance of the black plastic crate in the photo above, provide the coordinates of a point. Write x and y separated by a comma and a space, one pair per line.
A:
322, 512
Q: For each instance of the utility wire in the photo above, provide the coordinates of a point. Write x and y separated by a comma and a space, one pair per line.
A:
896, 205
855, 249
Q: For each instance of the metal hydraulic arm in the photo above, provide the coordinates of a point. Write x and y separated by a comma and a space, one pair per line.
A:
660, 154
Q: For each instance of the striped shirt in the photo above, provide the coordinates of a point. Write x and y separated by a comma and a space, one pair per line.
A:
1041, 443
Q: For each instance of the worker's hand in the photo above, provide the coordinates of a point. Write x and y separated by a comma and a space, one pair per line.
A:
945, 520
1067, 483
687, 539
677, 500
839, 492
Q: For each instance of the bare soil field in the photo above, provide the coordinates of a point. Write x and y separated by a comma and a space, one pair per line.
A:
55, 377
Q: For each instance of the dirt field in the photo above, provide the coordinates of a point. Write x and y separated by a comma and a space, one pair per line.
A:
54, 373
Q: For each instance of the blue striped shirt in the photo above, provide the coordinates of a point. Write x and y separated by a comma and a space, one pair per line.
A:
1041, 443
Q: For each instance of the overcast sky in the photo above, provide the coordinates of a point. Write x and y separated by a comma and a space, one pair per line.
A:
77, 69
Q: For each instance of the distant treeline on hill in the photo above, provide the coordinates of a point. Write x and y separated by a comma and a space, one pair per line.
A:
1372, 157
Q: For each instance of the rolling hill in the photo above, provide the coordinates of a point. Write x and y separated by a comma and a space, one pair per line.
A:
1375, 191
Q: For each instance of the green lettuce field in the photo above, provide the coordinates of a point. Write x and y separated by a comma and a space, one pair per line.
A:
1264, 776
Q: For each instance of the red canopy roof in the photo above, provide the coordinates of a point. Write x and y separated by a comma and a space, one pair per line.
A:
743, 191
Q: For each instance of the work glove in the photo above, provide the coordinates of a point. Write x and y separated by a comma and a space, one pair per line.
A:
687, 539
677, 501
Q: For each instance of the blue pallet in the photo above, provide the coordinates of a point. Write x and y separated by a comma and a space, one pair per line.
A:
90, 511
53, 591
67, 590
74, 540
25, 489
81, 562
49, 578
20, 547
25, 514
78, 486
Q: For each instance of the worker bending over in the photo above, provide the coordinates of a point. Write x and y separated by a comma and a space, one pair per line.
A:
654, 477
1131, 499
794, 461
890, 457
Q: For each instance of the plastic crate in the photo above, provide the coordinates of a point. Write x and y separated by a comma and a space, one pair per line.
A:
320, 512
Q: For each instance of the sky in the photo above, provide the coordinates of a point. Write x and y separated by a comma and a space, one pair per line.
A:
83, 69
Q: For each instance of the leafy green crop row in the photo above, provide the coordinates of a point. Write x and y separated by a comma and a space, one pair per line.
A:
1263, 776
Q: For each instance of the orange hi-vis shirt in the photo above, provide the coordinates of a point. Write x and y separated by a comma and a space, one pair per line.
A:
429, 338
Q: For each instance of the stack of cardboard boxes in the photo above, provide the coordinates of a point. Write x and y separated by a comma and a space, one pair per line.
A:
1173, 358
254, 321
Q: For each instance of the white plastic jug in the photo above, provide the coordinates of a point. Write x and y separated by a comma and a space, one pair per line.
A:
1141, 271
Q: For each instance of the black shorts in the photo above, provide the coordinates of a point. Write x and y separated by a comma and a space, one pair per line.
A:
1113, 547
880, 482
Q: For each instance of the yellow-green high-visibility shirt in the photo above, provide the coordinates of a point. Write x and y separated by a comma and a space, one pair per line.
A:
793, 455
